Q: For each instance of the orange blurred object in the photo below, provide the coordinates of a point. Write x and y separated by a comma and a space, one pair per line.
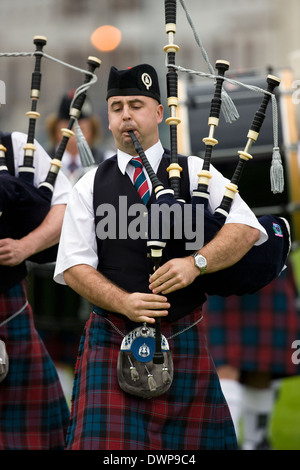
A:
106, 38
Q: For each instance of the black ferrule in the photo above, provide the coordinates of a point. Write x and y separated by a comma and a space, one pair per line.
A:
260, 114
257, 121
36, 80
31, 131
79, 101
226, 203
207, 157
264, 103
51, 177
175, 185
215, 107
170, 11
238, 171
218, 90
173, 143
171, 58
60, 151
33, 105
28, 161
202, 187
37, 66
172, 84
71, 123
174, 181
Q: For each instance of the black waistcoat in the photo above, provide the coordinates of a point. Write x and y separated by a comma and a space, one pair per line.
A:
124, 261
10, 276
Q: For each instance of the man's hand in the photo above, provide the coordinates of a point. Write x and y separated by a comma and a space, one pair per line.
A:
12, 252
140, 307
173, 275
229, 245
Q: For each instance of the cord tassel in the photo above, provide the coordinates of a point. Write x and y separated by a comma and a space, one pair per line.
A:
84, 150
276, 172
228, 108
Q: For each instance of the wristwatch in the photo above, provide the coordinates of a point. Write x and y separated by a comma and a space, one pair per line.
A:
200, 262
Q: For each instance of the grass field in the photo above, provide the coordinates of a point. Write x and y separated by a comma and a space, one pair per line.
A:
285, 422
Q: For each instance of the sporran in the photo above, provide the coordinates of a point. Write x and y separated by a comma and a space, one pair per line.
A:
137, 373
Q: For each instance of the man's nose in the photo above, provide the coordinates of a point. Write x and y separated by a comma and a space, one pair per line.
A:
126, 113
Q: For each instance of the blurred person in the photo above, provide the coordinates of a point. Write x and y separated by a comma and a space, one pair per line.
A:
33, 411
250, 339
91, 128
67, 309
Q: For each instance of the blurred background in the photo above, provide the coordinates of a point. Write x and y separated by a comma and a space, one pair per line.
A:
255, 37
251, 35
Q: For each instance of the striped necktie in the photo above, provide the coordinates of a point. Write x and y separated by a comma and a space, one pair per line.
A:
139, 180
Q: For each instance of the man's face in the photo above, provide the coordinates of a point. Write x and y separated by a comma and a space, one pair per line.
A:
141, 114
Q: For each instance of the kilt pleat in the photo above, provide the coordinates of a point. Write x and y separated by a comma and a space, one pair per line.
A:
256, 332
192, 414
33, 411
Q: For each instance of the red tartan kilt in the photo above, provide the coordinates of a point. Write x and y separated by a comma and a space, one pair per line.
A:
191, 415
33, 410
255, 333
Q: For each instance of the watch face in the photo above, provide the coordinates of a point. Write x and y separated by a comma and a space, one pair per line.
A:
200, 262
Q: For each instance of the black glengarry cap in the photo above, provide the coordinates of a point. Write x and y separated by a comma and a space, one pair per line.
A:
139, 80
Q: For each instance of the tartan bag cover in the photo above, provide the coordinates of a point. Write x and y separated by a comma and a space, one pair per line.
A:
33, 411
192, 414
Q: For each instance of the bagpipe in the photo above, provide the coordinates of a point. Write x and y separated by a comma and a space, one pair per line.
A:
263, 262
256, 269
23, 206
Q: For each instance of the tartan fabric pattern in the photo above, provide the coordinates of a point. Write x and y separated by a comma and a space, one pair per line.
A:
139, 179
33, 411
191, 415
255, 332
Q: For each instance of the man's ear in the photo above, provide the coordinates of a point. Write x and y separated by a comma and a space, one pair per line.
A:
160, 113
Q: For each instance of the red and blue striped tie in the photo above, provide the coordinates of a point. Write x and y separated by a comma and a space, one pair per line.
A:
139, 180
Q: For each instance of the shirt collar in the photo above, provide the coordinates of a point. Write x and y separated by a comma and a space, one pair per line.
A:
153, 155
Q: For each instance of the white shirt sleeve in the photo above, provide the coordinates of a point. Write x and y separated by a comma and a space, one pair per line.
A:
239, 213
78, 237
41, 164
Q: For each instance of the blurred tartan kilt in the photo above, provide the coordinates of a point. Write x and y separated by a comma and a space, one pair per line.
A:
192, 414
33, 411
255, 333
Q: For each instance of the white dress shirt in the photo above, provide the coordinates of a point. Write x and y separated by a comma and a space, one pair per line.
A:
78, 238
